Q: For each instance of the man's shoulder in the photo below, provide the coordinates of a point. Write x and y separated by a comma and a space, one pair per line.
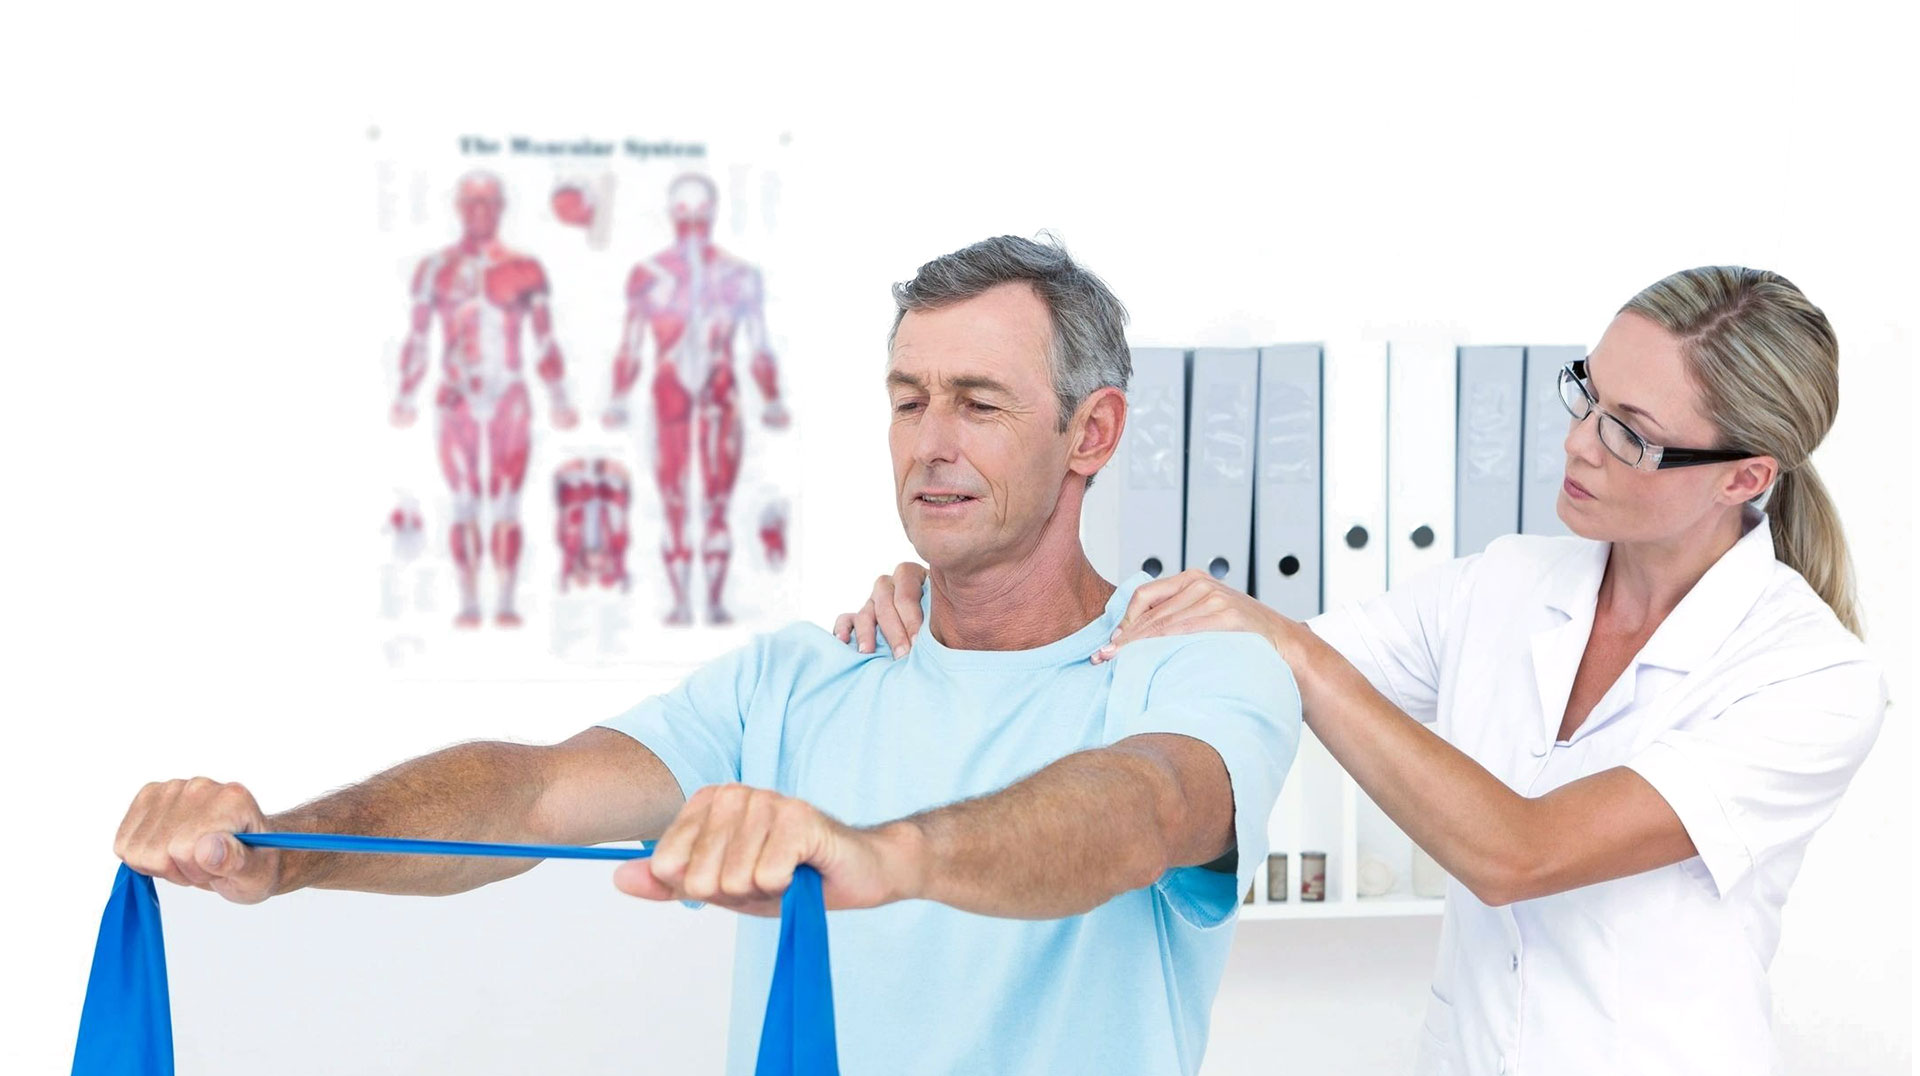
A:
804, 649
1207, 662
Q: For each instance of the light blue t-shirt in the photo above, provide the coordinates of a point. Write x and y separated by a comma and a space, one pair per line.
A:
923, 988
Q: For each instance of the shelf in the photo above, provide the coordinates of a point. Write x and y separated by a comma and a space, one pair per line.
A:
1364, 908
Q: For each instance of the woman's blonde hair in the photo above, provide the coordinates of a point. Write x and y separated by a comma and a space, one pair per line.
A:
1768, 368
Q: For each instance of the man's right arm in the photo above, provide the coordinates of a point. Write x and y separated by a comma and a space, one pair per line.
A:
599, 786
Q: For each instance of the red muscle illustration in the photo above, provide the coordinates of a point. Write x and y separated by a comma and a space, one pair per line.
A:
695, 300
482, 294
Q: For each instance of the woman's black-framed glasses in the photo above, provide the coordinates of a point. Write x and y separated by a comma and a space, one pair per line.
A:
1627, 446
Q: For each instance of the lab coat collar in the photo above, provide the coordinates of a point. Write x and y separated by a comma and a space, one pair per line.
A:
1723, 597
1570, 586
1696, 628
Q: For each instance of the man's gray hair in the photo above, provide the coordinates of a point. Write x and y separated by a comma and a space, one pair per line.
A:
1089, 347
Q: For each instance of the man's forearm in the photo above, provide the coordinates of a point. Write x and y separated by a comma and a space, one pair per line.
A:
1072, 836
470, 792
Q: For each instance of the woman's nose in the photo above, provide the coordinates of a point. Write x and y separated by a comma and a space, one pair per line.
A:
1583, 439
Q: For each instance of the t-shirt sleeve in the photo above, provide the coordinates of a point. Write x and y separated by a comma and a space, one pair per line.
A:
1231, 691
1764, 773
1395, 638
698, 729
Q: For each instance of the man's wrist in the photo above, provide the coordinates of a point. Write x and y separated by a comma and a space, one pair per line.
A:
906, 852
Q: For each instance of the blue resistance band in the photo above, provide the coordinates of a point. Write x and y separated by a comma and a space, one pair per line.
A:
126, 1024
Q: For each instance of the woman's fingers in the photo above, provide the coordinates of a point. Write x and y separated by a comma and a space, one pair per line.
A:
1155, 591
899, 614
1189, 602
863, 622
843, 627
1179, 603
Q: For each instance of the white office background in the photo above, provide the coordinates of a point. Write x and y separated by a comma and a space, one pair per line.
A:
187, 440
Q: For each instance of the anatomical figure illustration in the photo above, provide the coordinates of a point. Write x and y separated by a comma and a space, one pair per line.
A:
482, 294
697, 302
587, 204
593, 496
407, 528
773, 533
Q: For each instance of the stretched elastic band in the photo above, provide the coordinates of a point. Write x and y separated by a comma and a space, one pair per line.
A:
343, 842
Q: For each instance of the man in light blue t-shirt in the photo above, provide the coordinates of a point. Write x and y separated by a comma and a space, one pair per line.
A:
1034, 850
1031, 857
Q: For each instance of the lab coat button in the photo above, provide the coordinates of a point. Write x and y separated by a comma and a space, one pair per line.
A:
1513, 964
1539, 750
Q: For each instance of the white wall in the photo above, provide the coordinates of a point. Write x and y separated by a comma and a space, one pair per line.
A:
186, 459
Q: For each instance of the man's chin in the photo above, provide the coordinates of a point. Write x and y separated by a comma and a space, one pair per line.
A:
942, 555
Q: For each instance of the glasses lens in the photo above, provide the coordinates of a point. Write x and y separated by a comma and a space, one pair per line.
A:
1574, 395
1622, 442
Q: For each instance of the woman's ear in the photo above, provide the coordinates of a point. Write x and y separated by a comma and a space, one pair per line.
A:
1749, 479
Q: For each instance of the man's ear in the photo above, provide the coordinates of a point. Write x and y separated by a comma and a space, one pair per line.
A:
1097, 425
1749, 479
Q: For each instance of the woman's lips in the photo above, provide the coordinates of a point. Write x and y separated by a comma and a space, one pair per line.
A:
1576, 490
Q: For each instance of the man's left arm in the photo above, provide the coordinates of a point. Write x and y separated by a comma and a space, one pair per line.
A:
1060, 842
1081, 831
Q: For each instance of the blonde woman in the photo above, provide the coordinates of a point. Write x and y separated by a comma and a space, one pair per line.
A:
1618, 743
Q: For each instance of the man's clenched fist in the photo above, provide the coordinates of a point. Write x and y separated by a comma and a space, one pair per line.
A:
183, 831
737, 847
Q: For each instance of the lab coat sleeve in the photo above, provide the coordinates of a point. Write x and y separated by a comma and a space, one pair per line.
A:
1763, 773
1397, 639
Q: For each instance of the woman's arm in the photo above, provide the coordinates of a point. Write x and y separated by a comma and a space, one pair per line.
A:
1501, 845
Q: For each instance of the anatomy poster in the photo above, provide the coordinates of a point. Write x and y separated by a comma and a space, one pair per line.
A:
582, 392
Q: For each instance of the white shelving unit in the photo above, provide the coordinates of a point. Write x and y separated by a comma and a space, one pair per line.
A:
1322, 809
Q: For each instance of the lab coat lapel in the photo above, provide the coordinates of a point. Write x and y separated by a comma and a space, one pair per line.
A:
1570, 588
1696, 629
1702, 622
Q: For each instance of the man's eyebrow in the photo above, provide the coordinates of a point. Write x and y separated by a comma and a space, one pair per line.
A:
978, 383
961, 382
1627, 407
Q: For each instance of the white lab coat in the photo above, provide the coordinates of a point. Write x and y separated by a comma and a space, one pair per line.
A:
1749, 710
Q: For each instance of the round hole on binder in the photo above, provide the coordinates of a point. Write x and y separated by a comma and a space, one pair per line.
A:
1151, 566
1289, 565
1422, 537
1357, 538
1218, 567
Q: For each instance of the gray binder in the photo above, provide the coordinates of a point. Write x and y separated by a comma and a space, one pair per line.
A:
1544, 466
1153, 475
1286, 492
1221, 397
1487, 446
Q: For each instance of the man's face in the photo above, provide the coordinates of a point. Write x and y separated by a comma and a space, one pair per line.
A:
978, 456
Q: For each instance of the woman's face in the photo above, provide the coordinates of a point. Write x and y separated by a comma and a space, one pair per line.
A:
1638, 374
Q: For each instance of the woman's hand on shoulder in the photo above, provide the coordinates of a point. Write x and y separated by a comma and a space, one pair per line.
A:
1195, 601
894, 608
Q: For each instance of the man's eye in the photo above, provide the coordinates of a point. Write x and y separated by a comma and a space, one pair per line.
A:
982, 408
905, 407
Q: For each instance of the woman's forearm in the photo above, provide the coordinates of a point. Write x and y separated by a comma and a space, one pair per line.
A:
1470, 822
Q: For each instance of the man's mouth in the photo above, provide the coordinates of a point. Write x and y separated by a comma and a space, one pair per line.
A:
942, 498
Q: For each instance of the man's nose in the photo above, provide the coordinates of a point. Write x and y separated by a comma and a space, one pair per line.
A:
937, 436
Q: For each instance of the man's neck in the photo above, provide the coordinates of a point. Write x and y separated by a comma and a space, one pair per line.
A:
1021, 606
